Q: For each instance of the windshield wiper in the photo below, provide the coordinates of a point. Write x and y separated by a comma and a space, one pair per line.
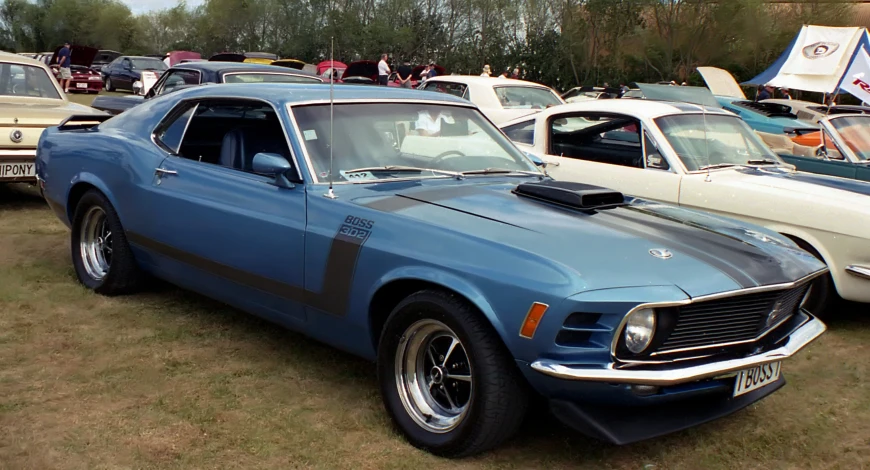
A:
496, 171
718, 165
402, 169
762, 161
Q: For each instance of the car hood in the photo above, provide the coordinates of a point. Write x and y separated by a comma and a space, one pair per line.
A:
609, 248
818, 186
79, 55
362, 68
721, 82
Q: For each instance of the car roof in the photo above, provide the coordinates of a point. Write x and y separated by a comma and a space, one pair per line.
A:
9, 57
646, 109
290, 93
218, 66
474, 79
138, 57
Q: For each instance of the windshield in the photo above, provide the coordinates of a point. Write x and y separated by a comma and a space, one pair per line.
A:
855, 131
258, 77
729, 141
147, 64
26, 80
404, 140
526, 97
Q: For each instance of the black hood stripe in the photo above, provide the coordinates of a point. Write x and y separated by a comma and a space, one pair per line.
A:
399, 201
747, 264
844, 184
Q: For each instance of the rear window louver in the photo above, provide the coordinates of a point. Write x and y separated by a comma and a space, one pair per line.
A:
83, 121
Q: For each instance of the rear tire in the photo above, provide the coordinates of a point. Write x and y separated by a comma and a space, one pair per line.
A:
101, 254
446, 379
109, 84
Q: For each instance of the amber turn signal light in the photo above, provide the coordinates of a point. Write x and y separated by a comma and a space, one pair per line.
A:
533, 319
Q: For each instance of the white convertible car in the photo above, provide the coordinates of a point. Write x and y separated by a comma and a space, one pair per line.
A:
500, 99
709, 159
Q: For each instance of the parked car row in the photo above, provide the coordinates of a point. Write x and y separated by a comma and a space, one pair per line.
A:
644, 265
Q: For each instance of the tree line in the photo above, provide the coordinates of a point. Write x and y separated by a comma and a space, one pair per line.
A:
562, 43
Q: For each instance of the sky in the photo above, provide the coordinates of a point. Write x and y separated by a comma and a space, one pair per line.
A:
143, 6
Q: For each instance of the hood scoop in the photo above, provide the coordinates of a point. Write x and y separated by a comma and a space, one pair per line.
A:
578, 196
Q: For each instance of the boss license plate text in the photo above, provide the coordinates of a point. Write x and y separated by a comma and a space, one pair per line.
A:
757, 377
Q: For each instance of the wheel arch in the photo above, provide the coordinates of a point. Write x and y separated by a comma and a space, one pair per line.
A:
398, 285
80, 185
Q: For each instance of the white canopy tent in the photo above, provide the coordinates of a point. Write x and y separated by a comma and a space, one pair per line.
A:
820, 59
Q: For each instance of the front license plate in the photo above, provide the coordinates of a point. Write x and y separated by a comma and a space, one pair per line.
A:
757, 377
81, 85
17, 170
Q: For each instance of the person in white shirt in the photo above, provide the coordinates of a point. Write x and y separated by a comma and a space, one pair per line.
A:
166, 60
383, 71
486, 71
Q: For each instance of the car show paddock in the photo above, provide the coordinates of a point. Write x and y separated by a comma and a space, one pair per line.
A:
170, 379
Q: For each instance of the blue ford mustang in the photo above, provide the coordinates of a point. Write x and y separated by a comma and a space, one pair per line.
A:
402, 226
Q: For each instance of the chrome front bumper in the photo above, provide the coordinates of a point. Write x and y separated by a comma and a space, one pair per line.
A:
803, 336
859, 271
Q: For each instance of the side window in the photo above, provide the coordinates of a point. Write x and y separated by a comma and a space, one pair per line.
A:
652, 155
611, 139
523, 132
171, 133
178, 78
126, 64
455, 89
226, 132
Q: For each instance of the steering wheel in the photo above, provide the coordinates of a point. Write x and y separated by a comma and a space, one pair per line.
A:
447, 154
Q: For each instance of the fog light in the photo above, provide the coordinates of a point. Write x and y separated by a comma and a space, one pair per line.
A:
639, 329
645, 390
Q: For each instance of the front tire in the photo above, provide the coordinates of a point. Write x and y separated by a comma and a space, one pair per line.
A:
822, 296
109, 84
101, 254
446, 379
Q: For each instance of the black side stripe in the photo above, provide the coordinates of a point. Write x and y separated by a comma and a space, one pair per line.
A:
337, 283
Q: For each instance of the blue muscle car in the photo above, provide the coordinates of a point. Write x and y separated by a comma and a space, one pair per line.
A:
405, 228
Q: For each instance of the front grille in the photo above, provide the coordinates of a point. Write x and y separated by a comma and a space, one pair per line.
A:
732, 319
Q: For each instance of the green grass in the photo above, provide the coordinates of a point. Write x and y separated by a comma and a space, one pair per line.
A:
169, 379
87, 99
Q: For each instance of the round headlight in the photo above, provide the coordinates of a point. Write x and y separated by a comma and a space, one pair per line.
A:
639, 330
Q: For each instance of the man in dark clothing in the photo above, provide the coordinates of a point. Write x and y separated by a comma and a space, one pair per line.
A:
766, 93
432, 71
63, 62
404, 72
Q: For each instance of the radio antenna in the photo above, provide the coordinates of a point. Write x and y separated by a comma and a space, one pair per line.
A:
706, 147
330, 194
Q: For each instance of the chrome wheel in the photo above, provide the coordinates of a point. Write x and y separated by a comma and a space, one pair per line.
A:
433, 376
95, 243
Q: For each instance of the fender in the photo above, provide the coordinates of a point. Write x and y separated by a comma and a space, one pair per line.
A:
93, 180
442, 278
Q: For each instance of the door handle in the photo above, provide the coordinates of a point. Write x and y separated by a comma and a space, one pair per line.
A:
163, 171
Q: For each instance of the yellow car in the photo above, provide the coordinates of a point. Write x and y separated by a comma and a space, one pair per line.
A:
30, 101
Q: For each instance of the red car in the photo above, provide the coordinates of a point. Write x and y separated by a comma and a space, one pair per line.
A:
415, 75
84, 78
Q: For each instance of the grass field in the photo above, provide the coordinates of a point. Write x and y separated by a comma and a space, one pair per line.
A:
169, 379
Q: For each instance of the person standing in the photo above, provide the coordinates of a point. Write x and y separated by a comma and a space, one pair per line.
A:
424, 75
766, 93
487, 72
383, 70
431, 72
516, 73
63, 62
405, 74
785, 93
167, 61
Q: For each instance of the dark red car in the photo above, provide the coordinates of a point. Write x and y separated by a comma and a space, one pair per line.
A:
84, 79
